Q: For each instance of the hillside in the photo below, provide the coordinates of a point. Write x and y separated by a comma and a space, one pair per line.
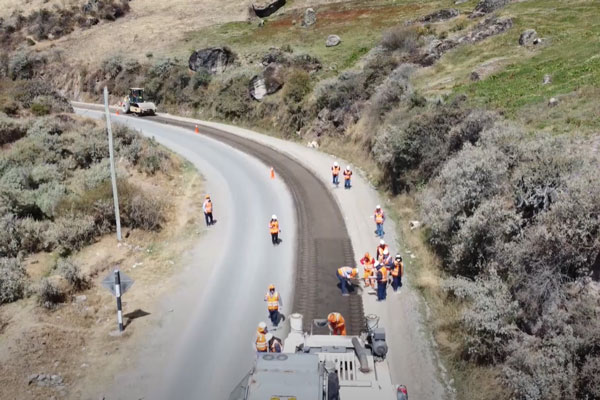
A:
479, 119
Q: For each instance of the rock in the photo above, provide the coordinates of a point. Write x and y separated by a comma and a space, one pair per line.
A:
215, 59
537, 41
413, 225
32, 378
332, 40
310, 17
489, 27
553, 102
440, 15
488, 6
269, 82
81, 298
547, 79
527, 38
266, 9
261, 23
313, 145
474, 76
457, 2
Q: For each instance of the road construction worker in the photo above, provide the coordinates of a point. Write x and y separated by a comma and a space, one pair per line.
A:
274, 344
379, 218
337, 324
397, 272
273, 304
261, 338
274, 229
344, 274
347, 177
386, 259
207, 207
335, 173
382, 280
369, 263
380, 249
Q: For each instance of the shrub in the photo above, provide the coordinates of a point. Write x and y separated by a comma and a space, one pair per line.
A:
391, 91
490, 318
469, 130
201, 78
23, 65
9, 238
71, 272
68, 234
40, 109
12, 280
152, 158
401, 38
297, 86
342, 92
31, 235
144, 212
50, 294
233, 101
10, 130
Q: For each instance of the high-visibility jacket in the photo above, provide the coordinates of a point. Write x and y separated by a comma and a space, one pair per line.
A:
274, 226
398, 269
386, 261
207, 206
368, 263
379, 217
382, 274
272, 301
381, 249
338, 325
347, 174
261, 342
335, 170
346, 272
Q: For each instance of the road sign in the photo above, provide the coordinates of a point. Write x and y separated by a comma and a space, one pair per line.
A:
109, 282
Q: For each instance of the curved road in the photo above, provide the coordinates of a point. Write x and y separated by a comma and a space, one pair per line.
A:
205, 351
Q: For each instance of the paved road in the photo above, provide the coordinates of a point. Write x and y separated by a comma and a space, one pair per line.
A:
207, 347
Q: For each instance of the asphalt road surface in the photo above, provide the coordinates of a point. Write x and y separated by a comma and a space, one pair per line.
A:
204, 351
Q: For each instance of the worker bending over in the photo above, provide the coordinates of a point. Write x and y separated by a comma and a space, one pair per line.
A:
335, 173
337, 324
261, 338
274, 344
379, 220
397, 273
347, 177
207, 207
274, 229
344, 274
369, 264
273, 304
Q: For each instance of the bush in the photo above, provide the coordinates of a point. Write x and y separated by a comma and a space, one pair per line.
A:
31, 235
393, 89
71, 272
144, 212
401, 38
12, 280
297, 86
342, 92
40, 109
50, 294
233, 101
68, 234
152, 159
24, 65
10, 130
201, 78
9, 238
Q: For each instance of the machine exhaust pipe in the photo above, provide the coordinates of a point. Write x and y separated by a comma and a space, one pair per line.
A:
361, 353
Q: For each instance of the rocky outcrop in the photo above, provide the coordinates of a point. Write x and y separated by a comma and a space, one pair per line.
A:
528, 37
332, 40
269, 82
488, 6
310, 17
440, 15
266, 9
214, 59
303, 61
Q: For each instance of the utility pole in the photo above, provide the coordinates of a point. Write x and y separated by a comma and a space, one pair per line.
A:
113, 174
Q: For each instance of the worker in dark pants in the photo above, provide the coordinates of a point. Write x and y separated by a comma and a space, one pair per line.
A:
382, 277
344, 274
208, 210
274, 229
274, 304
397, 272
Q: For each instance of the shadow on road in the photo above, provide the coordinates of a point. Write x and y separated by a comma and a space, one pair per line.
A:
139, 313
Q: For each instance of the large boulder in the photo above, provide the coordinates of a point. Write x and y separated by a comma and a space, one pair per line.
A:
440, 15
310, 17
528, 37
332, 40
488, 6
263, 10
269, 82
214, 59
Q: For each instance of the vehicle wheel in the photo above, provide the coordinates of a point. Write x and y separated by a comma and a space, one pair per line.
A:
125, 108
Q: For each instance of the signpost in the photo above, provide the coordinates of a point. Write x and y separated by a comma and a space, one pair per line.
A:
118, 283
113, 176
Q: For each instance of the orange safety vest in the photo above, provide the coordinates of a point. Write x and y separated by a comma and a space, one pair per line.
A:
273, 301
398, 268
339, 325
384, 274
346, 272
379, 217
368, 263
347, 175
335, 170
274, 226
207, 206
261, 342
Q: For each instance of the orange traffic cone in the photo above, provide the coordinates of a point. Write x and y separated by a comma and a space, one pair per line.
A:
272, 173
117, 111
197, 130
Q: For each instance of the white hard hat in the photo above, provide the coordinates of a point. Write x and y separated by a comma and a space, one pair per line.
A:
377, 207
348, 167
273, 216
386, 251
262, 325
269, 337
382, 242
335, 164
